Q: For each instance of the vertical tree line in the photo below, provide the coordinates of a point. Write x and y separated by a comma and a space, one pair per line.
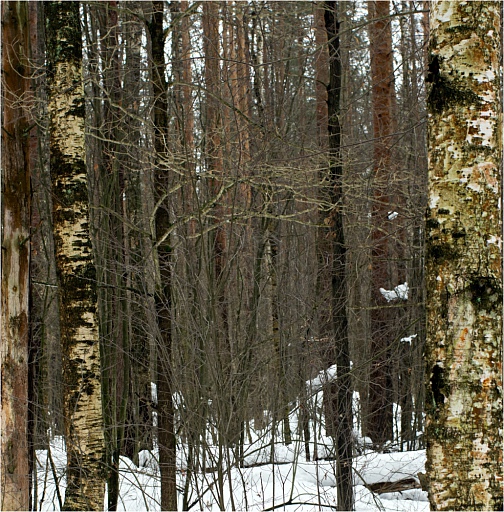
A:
15, 256
227, 206
464, 259
340, 419
76, 270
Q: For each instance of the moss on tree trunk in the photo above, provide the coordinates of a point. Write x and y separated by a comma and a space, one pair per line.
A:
75, 266
464, 259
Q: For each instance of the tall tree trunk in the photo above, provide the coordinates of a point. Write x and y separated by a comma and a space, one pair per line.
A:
379, 424
35, 352
164, 373
112, 248
185, 254
281, 407
76, 270
340, 390
321, 74
464, 258
216, 137
15, 470
138, 434
240, 235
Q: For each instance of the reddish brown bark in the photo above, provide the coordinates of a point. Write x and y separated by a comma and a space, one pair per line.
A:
184, 123
380, 384
213, 129
14, 483
187, 79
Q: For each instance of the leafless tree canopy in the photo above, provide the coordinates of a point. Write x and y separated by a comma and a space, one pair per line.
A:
225, 222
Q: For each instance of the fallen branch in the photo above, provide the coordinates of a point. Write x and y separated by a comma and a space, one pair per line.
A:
398, 486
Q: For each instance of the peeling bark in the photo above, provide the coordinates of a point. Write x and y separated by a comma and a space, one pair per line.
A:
75, 266
464, 258
14, 480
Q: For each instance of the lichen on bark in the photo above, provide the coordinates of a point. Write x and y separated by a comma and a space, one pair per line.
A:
75, 266
464, 259
15, 259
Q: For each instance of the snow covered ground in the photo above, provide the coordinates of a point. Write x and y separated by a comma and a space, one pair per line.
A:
291, 483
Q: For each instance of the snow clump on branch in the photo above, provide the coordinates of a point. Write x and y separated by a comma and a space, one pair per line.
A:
399, 292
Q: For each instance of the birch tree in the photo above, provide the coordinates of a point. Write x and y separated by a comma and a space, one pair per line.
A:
464, 258
75, 266
14, 480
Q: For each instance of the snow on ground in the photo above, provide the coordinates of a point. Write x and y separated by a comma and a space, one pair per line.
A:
274, 476
292, 481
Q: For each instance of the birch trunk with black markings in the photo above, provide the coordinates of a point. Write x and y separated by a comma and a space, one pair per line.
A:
75, 265
464, 258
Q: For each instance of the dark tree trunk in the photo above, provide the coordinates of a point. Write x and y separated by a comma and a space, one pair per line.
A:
138, 432
166, 433
115, 332
340, 390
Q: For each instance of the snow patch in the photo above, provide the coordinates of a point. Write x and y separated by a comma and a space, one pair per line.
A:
154, 392
399, 292
389, 467
409, 495
322, 378
146, 459
312, 483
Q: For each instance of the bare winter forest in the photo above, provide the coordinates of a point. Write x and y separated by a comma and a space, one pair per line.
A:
251, 255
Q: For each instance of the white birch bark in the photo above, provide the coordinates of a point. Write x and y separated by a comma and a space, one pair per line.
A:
76, 271
464, 258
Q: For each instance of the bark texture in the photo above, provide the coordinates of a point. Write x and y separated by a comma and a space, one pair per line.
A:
379, 424
14, 476
340, 391
166, 427
464, 258
76, 270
